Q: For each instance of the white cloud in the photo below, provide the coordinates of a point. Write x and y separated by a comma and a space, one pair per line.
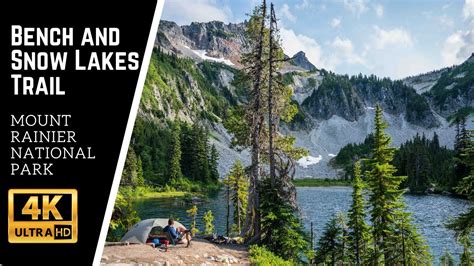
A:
378, 8
303, 5
357, 7
293, 43
458, 47
446, 21
396, 37
344, 52
446, 6
468, 9
286, 12
185, 12
335, 22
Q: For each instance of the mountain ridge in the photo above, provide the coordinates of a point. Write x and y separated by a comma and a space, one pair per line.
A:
334, 109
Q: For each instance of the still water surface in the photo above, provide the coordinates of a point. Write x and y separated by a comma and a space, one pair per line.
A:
318, 204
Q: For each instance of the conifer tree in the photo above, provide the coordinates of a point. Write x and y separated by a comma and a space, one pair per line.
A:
463, 225
140, 177
446, 259
130, 170
329, 247
283, 231
388, 215
466, 258
358, 229
213, 163
269, 102
408, 247
254, 64
175, 153
237, 183
192, 213
208, 222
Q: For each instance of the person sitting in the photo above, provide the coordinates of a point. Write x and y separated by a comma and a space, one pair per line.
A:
177, 233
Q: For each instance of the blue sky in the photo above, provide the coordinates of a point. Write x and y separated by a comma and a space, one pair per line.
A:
394, 38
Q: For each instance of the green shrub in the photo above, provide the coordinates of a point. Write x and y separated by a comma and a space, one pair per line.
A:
260, 256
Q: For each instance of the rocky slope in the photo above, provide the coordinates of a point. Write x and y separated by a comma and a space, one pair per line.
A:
334, 109
213, 41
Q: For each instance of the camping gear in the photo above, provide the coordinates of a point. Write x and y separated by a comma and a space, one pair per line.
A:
166, 243
139, 233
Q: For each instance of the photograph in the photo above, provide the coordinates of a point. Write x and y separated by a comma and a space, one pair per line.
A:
309, 132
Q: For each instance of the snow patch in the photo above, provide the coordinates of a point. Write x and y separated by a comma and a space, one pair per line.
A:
309, 160
203, 55
332, 155
369, 108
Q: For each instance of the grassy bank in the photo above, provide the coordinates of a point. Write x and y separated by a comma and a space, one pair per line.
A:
150, 192
166, 194
319, 182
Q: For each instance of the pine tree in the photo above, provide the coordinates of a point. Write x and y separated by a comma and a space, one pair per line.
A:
387, 212
213, 163
175, 153
466, 258
343, 238
462, 139
463, 225
329, 247
208, 222
408, 247
140, 177
283, 231
358, 229
192, 213
237, 184
254, 63
269, 101
446, 259
130, 171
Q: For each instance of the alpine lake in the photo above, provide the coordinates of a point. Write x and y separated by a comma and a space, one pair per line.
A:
318, 204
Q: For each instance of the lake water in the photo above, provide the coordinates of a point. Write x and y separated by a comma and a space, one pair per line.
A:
318, 204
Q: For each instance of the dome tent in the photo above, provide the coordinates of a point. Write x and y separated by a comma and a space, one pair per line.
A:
139, 232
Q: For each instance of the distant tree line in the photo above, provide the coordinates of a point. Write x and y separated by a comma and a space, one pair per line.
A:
424, 161
177, 156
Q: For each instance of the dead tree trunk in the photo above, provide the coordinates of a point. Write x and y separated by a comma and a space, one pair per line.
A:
271, 122
252, 222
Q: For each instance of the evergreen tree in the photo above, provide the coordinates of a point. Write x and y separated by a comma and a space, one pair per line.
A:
387, 212
175, 153
461, 141
446, 259
463, 225
343, 238
254, 63
140, 177
358, 229
259, 133
130, 170
208, 222
213, 163
408, 247
329, 248
286, 237
466, 255
237, 184
192, 213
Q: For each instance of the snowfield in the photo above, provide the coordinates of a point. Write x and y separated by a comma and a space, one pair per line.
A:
309, 160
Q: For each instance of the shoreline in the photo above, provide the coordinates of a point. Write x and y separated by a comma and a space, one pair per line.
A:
321, 182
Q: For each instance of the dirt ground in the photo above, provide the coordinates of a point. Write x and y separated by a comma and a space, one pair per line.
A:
201, 252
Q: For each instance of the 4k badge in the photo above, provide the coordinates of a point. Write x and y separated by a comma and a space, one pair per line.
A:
42, 216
